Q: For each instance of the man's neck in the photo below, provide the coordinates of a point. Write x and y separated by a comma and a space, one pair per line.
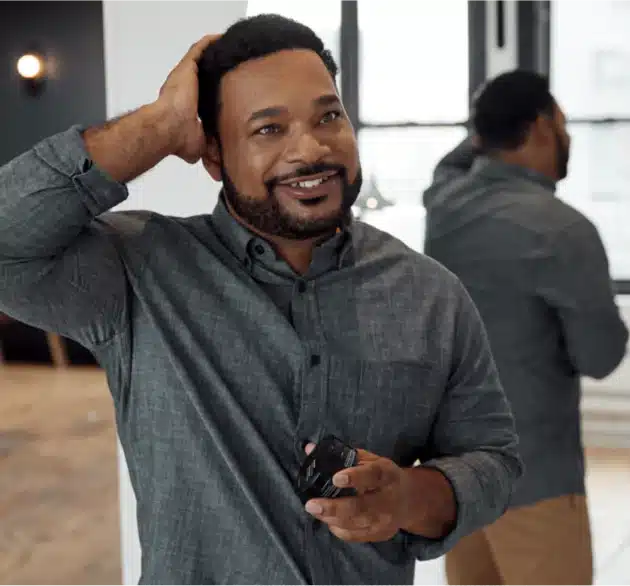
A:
297, 253
521, 158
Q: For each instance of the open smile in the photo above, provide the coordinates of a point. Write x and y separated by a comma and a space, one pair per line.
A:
313, 188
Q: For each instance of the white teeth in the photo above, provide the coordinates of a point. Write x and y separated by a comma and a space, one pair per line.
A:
309, 184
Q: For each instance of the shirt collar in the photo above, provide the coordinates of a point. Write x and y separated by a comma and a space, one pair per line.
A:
491, 167
251, 249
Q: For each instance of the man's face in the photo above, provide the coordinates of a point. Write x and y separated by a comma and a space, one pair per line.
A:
289, 158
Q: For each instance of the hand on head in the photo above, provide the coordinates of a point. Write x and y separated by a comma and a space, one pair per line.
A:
180, 95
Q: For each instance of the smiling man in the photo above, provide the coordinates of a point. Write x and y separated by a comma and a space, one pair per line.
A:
234, 341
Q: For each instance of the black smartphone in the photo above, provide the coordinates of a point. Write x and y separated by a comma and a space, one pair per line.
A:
329, 456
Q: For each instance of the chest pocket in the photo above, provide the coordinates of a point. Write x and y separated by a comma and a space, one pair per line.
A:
384, 407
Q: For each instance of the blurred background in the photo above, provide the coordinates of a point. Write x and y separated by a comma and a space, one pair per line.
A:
408, 70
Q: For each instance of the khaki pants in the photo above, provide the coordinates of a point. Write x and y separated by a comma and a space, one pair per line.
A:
546, 543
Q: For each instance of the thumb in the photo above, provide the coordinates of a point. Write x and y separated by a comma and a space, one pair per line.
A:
365, 456
309, 447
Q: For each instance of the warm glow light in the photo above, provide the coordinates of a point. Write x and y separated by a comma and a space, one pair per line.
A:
30, 66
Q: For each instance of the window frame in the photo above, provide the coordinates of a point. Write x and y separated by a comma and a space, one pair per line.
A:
350, 83
350, 56
534, 52
621, 286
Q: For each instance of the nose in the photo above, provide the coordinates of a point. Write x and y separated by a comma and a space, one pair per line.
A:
305, 149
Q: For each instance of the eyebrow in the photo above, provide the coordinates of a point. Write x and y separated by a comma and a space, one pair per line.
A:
326, 100
267, 113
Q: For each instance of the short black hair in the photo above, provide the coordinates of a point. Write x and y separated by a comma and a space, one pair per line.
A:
504, 109
250, 38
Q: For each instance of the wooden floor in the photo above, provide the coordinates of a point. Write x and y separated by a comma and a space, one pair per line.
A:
59, 486
58, 478
608, 484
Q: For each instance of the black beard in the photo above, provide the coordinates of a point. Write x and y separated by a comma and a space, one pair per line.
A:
562, 154
269, 218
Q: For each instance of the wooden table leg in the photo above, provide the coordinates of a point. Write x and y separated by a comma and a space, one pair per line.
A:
57, 350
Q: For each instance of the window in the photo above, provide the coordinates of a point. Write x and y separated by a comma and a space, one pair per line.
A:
398, 165
400, 77
411, 105
596, 99
324, 17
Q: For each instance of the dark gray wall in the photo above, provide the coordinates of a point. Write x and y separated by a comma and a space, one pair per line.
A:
72, 34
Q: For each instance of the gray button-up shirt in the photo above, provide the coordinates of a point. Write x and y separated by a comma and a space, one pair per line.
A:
221, 361
537, 270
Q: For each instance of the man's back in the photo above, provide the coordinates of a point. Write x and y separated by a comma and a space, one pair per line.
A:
538, 273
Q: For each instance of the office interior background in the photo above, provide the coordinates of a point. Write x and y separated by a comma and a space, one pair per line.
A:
407, 72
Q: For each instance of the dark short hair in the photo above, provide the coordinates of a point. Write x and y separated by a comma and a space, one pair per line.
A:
504, 109
250, 38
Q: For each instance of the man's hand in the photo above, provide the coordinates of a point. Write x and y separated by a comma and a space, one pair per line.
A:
179, 96
377, 512
389, 499
128, 146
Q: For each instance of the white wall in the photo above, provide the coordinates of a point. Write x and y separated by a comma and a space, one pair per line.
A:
143, 41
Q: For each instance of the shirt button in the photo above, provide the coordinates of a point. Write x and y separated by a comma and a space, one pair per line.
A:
315, 359
301, 286
259, 249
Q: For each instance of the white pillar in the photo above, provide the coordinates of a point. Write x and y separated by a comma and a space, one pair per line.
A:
143, 41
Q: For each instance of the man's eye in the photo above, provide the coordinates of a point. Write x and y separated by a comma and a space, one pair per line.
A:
330, 116
268, 129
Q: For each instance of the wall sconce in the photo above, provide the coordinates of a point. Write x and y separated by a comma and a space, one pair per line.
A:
32, 69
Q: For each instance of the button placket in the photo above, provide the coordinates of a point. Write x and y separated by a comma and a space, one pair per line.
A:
312, 401
305, 318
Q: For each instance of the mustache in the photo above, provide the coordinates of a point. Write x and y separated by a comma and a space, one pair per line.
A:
306, 171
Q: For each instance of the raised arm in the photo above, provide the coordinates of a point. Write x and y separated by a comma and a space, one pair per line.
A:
133, 144
59, 267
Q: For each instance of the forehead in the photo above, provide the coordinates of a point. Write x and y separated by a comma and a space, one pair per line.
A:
288, 79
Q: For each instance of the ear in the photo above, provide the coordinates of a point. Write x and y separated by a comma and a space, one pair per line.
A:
212, 160
542, 131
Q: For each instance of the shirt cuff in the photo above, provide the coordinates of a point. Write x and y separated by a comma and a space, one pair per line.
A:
66, 153
466, 489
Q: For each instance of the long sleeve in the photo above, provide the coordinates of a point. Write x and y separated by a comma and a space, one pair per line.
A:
574, 280
58, 271
474, 442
